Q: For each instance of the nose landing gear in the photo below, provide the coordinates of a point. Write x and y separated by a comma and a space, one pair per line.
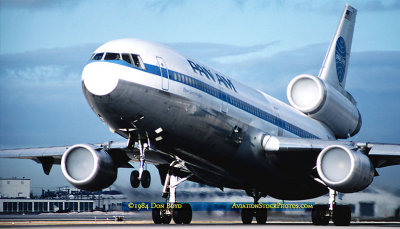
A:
143, 175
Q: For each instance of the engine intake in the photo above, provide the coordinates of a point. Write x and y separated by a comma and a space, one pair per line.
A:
319, 100
88, 168
344, 170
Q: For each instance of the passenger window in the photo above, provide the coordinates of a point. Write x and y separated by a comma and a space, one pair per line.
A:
127, 58
97, 56
112, 56
137, 61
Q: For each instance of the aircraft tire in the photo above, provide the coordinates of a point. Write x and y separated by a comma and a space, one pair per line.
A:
261, 216
187, 213
318, 215
341, 215
156, 215
177, 216
247, 215
146, 179
135, 179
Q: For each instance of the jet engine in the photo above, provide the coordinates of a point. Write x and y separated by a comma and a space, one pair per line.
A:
344, 169
321, 101
88, 168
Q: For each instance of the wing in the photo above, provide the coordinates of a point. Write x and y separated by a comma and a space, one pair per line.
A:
381, 155
48, 156
34, 153
121, 156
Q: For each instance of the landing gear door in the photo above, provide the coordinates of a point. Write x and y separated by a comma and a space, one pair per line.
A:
164, 73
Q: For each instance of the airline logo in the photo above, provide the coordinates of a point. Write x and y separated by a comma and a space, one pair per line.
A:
340, 57
201, 70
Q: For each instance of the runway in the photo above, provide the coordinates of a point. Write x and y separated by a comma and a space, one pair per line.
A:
143, 220
195, 224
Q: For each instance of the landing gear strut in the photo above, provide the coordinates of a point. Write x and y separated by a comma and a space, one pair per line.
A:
340, 214
260, 213
142, 176
180, 213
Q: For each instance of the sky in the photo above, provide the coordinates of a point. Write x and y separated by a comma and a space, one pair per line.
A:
44, 46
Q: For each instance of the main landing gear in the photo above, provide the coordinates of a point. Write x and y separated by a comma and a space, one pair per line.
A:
259, 213
180, 213
142, 176
340, 214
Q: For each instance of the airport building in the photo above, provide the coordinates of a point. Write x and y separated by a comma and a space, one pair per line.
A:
44, 205
15, 198
15, 188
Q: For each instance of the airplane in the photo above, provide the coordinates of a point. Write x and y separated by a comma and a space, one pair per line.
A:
195, 123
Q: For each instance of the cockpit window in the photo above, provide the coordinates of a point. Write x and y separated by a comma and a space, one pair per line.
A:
127, 58
112, 56
97, 56
137, 61
132, 59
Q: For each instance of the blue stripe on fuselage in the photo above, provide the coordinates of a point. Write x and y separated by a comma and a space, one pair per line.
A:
192, 82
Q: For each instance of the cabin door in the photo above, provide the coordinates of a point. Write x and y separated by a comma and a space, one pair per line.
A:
164, 73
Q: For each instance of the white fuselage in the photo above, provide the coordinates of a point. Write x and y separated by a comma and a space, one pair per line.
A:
104, 76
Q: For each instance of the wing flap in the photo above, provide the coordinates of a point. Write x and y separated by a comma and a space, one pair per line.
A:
381, 155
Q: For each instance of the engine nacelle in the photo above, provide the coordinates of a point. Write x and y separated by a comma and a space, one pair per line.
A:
344, 170
88, 168
319, 100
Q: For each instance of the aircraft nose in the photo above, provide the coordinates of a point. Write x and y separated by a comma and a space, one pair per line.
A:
100, 78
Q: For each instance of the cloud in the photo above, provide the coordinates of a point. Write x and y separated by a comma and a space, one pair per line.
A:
57, 65
374, 71
162, 6
322, 7
42, 101
204, 51
379, 5
36, 4
272, 73
72, 56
